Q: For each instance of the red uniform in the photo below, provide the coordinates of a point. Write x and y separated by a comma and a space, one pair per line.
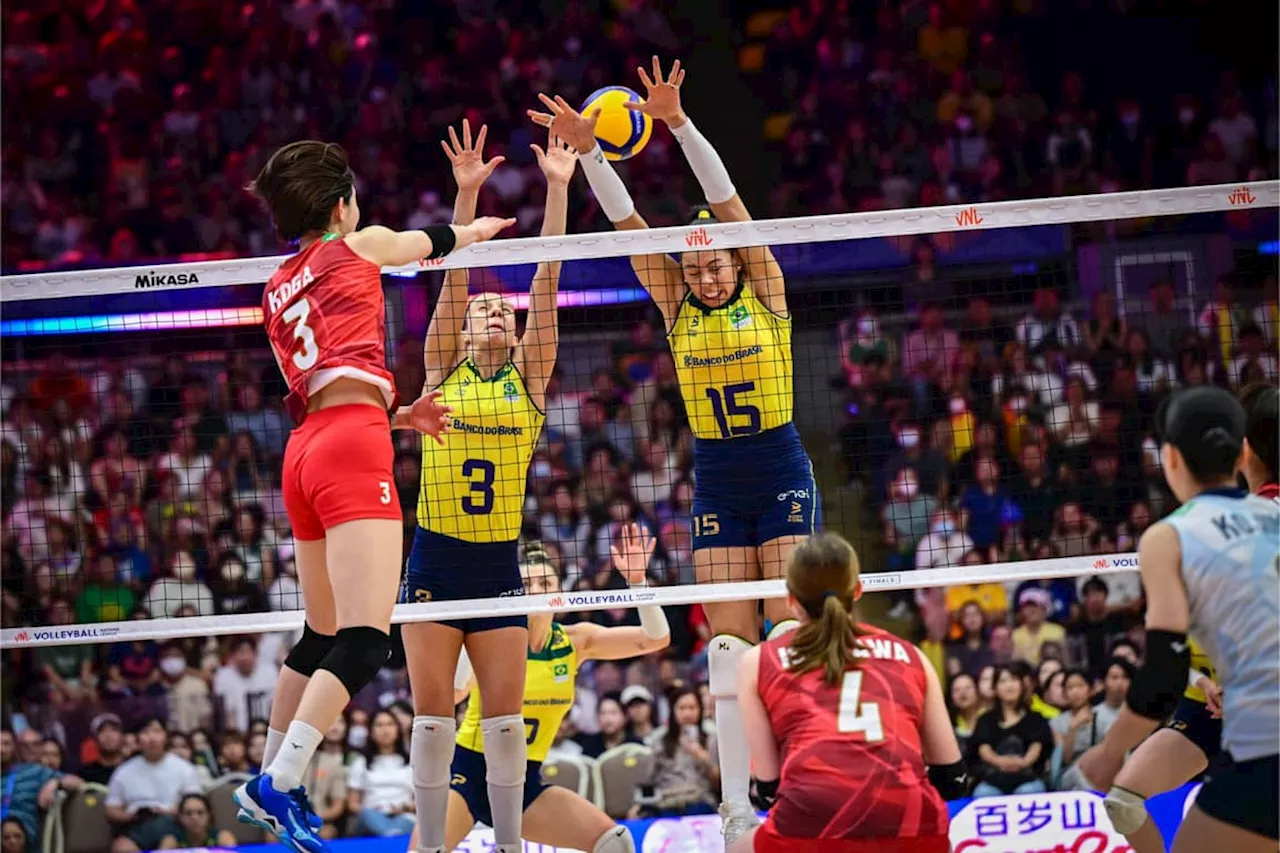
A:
853, 772
326, 321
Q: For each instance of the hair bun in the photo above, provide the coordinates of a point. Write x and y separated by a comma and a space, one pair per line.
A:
1218, 438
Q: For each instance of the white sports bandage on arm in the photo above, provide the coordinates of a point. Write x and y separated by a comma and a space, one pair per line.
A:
653, 622
607, 187
707, 166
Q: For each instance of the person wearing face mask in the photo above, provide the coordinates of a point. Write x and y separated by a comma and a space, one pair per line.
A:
930, 467
860, 338
180, 587
190, 705
285, 593
357, 730
945, 544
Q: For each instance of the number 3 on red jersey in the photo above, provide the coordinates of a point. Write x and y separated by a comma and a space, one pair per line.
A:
308, 353
855, 717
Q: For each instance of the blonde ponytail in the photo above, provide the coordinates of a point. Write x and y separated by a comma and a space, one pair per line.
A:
822, 576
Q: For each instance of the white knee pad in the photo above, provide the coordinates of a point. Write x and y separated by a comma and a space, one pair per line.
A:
1127, 810
722, 663
505, 750
786, 626
431, 750
616, 840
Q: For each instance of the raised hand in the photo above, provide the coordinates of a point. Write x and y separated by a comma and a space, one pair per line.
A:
558, 162
662, 100
429, 416
470, 169
631, 554
484, 228
564, 122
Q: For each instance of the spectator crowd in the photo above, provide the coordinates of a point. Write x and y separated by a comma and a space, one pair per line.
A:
927, 102
132, 126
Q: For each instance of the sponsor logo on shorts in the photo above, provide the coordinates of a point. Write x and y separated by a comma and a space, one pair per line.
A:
143, 282
797, 513
793, 495
458, 779
511, 592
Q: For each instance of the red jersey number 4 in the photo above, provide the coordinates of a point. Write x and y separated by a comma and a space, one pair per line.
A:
855, 716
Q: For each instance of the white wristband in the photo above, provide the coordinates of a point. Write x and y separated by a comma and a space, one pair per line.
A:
1193, 678
653, 622
608, 188
462, 675
707, 166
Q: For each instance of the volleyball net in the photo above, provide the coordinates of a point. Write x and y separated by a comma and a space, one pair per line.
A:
974, 386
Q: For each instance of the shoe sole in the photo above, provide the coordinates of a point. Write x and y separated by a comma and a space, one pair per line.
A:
253, 814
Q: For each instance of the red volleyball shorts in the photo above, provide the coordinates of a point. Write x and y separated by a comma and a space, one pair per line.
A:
768, 840
338, 468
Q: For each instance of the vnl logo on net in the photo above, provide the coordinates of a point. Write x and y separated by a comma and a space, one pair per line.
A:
1115, 563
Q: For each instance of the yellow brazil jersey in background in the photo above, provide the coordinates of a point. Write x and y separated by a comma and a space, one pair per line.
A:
473, 485
548, 696
1200, 663
734, 365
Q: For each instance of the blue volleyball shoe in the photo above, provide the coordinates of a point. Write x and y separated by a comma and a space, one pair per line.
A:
288, 816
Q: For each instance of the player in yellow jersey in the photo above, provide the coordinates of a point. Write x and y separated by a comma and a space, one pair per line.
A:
729, 330
470, 503
554, 816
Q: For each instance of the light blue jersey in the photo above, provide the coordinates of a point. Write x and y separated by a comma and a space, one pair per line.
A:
1231, 567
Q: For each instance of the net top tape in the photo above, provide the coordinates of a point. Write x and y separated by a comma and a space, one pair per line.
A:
291, 620
732, 235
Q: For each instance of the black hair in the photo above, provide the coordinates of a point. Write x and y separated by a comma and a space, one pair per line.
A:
146, 721
1207, 426
1095, 584
301, 183
1129, 669
1262, 421
370, 751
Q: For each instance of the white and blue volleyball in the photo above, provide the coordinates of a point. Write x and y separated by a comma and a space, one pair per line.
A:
622, 132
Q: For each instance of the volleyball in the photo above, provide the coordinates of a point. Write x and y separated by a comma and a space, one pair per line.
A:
621, 132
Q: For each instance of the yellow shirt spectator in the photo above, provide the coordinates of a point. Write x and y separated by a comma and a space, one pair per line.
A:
991, 597
1030, 637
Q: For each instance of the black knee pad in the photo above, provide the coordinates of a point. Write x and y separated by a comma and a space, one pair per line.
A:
356, 656
305, 657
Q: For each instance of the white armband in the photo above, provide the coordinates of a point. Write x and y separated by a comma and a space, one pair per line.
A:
607, 187
1193, 678
653, 622
462, 675
707, 166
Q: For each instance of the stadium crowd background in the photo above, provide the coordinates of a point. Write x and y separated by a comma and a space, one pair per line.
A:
969, 436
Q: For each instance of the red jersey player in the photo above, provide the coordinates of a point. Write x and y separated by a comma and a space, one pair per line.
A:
841, 720
324, 318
